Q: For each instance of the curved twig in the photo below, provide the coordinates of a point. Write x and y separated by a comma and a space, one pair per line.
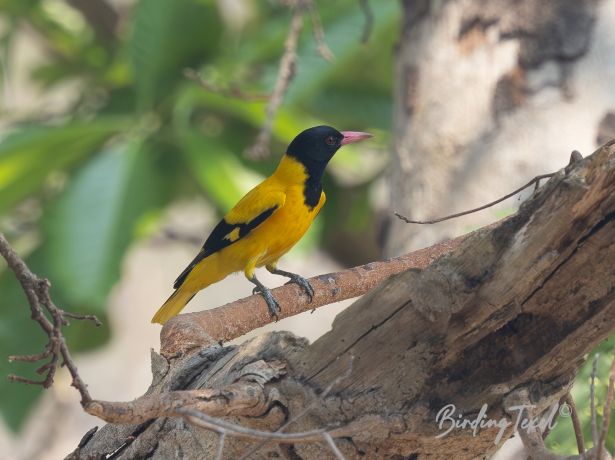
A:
536, 180
223, 427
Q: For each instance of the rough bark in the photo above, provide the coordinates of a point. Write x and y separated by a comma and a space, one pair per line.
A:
489, 94
514, 307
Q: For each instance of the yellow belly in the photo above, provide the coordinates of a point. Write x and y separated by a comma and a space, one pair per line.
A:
283, 230
263, 246
278, 234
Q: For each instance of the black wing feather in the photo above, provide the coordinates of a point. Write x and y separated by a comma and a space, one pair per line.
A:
217, 241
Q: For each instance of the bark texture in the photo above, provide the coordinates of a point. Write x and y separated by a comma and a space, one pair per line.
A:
488, 95
514, 308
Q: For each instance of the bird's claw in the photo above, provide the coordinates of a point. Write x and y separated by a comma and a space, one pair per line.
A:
272, 304
304, 284
274, 307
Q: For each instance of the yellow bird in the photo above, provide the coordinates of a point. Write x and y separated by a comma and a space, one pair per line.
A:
266, 223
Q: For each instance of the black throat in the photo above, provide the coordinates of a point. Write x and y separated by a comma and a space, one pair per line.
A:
312, 187
313, 148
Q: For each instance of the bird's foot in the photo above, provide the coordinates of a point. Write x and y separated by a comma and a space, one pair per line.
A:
274, 307
272, 304
303, 283
295, 279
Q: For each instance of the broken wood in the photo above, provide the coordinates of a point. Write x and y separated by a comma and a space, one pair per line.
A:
513, 308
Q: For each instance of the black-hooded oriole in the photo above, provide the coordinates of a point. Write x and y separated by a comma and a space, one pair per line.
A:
266, 222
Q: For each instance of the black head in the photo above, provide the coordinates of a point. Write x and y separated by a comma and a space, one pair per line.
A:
314, 147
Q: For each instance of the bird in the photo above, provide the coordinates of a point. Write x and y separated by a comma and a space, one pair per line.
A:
266, 223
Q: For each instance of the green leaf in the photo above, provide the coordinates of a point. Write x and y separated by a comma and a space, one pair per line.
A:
215, 168
95, 220
343, 32
29, 155
286, 126
168, 36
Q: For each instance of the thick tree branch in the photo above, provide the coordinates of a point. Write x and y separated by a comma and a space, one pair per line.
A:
508, 313
237, 318
246, 396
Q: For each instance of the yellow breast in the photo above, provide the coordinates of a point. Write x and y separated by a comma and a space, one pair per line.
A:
289, 223
287, 226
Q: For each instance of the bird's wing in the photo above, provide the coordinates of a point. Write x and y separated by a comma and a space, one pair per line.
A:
251, 211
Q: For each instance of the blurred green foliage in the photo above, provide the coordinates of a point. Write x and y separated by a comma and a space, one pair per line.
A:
562, 439
77, 188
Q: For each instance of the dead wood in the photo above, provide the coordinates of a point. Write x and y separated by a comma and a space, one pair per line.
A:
513, 309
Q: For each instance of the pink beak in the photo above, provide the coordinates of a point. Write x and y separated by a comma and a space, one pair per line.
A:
350, 137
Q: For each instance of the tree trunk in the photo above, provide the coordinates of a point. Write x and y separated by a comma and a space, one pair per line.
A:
490, 94
512, 311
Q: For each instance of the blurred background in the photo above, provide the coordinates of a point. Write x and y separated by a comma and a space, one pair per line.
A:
114, 164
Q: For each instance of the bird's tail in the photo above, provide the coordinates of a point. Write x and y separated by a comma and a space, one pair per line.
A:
173, 305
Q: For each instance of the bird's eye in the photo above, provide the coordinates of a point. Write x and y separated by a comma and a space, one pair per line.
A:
330, 140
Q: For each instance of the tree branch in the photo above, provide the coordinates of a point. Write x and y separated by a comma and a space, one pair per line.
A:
514, 306
237, 318
535, 181
37, 293
576, 423
286, 73
243, 397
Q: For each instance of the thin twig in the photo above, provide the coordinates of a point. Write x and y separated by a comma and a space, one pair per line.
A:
331, 443
286, 73
369, 20
319, 32
37, 293
221, 440
92, 318
231, 429
31, 358
233, 90
592, 400
606, 414
535, 180
576, 423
